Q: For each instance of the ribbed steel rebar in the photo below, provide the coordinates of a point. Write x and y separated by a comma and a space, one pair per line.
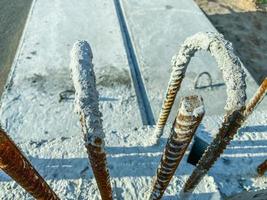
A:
87, 106
226, 133
229, 128
98, 159
16, 165
228, 63
173, 88
190, 114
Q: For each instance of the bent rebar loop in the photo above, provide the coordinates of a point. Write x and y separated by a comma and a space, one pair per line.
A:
229, 64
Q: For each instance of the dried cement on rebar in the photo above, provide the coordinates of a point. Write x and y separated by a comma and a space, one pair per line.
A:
229, 64
86, 95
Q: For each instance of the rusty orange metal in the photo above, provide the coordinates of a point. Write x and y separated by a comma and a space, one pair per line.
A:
17, 166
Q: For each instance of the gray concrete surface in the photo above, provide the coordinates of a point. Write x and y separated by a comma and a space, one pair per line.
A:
40, 96
157, 30
37, 110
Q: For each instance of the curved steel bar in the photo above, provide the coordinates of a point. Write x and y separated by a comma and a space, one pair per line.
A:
228, 63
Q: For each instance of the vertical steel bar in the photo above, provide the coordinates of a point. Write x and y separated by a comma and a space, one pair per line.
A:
190, 114
229, 128
87, 106
15, 164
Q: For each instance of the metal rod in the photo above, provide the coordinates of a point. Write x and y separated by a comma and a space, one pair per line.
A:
257, 98
229, 128
232, 72
17, 166
87, 106
189, 116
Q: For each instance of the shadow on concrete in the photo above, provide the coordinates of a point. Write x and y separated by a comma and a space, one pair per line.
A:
258, 128
138, 163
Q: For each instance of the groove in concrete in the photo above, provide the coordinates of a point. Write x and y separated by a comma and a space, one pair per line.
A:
142, 98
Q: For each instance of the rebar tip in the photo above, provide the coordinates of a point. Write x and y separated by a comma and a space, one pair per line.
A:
86, 94
192, 106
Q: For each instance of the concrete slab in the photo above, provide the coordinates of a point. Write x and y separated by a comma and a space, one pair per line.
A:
37, 107
39, 101
64, 164
132, 162
157, 30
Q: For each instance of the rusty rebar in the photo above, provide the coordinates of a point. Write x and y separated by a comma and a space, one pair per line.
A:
189, 116
262, 168
230, 125
229, 128
98, 163
257, 98
17, 166
228, 63
87, 106
172, 90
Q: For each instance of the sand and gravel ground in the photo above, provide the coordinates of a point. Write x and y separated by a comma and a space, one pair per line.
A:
244, 24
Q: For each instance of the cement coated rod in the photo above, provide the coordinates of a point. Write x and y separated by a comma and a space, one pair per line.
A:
87, 106
17, 166
228, 129
189, 116
228, 63
226, 133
